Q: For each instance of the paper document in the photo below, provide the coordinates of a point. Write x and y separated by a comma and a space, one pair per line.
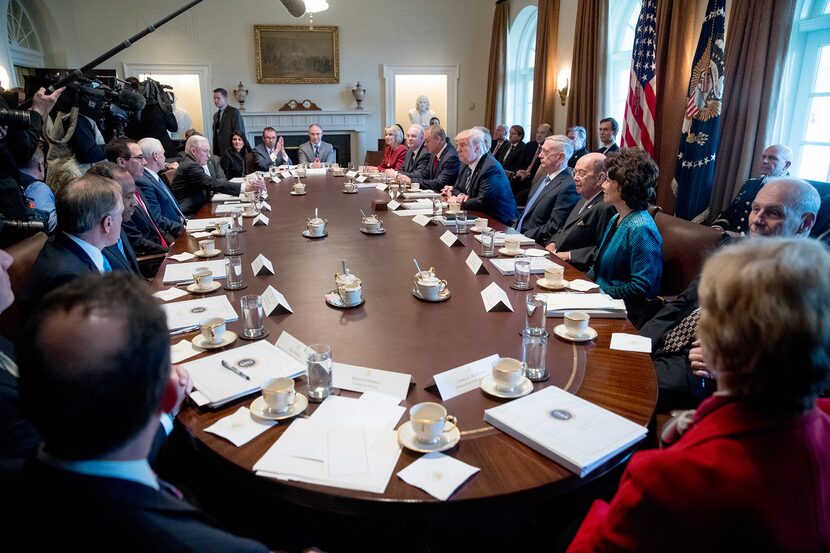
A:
200, 224
507, 266
192, 312
183, 272
499, 239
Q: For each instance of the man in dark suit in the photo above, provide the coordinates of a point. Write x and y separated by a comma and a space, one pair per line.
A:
522, 179
500, 141
577, 240
442, 167
225, 121
579, 136
511, 158
415, 164
608, 129
193, 185
159, 200
482, 184
89, 219
271, 153
96, 488
553, 194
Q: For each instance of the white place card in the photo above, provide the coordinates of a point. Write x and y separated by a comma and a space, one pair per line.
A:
423, 220
201, 234
393, 205
183, 350
272, 300
240, 427
495, 298
293, 347
262, 265
450, 239
263, 205
351, 174
465, 378
475, 264
361, 178
630, 342
363, 379
184, 256
260, 219
437, 474
170, 294
276, 180
382, 187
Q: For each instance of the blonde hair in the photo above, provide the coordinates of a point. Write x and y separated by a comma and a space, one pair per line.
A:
396, 131
765, 320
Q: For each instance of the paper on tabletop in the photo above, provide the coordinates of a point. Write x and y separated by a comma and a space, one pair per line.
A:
200, 224
240, 427
183, 350
581, 285
437, 474
363, 379
192, 312
171, 293
412, 212
507, 266
630, 342
201, 234
465, 378
228, 208
183, 272
184, 256
225, 198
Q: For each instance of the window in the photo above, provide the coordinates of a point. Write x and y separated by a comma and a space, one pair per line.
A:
521, 57
808, 130
622, 15
24, 44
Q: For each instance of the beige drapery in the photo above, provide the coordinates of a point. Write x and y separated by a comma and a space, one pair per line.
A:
756, 48
586, 99
545, 94
496, 75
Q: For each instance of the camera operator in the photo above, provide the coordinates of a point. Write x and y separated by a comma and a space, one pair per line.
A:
75, 133
20, 132
157, 117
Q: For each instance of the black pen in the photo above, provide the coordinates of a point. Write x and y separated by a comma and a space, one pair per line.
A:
234, 370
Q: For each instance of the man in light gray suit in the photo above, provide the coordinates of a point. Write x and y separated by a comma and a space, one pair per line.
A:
315, 152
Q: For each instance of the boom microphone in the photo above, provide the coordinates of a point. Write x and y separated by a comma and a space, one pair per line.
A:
294, 7
131, 99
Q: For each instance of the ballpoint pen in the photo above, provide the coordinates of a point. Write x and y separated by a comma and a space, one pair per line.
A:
234, 370
184, 330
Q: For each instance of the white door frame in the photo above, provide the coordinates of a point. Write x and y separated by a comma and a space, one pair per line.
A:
450, 71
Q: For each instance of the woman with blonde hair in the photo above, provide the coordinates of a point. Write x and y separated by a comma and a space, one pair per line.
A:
395, 151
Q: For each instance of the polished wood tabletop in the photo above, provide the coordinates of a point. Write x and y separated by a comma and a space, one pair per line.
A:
395, 331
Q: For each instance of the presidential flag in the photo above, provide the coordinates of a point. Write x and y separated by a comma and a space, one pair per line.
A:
695, 169
638, 125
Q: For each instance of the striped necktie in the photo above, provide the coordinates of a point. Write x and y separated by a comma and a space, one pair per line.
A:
162, 241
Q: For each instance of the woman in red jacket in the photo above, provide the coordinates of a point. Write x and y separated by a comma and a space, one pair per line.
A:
395, 151
752, 473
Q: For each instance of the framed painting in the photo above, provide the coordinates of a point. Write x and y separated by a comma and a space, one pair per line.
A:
293, 54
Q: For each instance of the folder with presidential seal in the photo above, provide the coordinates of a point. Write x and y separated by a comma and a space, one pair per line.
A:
575, 433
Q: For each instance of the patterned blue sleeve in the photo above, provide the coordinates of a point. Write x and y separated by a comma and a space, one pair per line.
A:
645, 252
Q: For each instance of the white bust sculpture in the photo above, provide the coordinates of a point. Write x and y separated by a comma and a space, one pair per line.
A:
421, 114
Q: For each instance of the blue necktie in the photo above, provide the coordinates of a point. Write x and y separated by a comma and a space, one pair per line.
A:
532, 201
120, 248
107, 266
316, 152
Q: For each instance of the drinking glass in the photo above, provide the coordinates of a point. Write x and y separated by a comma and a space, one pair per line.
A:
232, 243
437, 206
488, 243
535, 305
253, 317
319, 363
236, 219
233, 273
461, 222
534, 354
521, 278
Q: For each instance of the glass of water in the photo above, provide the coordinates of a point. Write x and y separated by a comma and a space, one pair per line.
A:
488, 243
253, 317
521, 278
319, 363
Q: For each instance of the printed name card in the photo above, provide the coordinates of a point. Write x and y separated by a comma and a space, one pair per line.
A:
495, 298
293, 347
263, 205
393, 205
382, 187
351, 174
362, 379
459, 380
273, 301
450, 239
260, 219
275, 179
423, 220
262, 265
475, 264
361, 178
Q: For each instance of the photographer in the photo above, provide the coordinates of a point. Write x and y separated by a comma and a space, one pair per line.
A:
157, 117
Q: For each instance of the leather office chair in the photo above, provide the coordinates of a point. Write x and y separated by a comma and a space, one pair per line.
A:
373, 158
24, 253
167, 177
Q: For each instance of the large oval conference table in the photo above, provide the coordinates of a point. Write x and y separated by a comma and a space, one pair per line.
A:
395, 331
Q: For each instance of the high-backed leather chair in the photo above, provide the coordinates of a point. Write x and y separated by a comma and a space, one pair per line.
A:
373, 158
24, 253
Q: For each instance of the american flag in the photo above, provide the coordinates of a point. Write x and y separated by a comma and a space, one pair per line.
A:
638, 125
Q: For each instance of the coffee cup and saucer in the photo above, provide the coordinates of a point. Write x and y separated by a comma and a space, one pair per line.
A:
429, 429
553, 278
213, 334
430, 288
507, 380
350, 188
203, 282
298, 189
207, 248
315, 228
221, 229
279, 400
346, 295
372, 225
250, 211
575, 328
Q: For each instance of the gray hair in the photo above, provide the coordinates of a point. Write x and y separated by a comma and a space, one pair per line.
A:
418, 128
563, 143
80, 206
150, 146
194, 141
488, 138
580, 132
799, 196
436, 132
785, 151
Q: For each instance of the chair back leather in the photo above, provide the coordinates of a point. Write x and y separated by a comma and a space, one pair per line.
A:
685, 247
24, 253
373, 158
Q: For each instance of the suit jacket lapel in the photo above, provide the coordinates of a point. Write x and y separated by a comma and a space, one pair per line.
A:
69, 244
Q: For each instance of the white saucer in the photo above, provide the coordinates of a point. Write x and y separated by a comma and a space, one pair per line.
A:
543, 282
216, 232
309, 235
259, 409
505, 251
488, 384
297, 193
339, 302
196, 289
247, 215
212, 253
407, 438
536, 252
228, 338
382, 230
443, 295
589, 335
477, 231
350, 191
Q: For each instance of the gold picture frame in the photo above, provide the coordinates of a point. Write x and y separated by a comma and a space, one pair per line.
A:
294, 54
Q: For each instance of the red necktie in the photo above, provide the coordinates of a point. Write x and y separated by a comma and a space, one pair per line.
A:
434, 165
161, 238
535, 157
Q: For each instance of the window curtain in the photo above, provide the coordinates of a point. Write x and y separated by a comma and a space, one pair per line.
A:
586, 98
496, 75
677, 34
545, 94
758, 36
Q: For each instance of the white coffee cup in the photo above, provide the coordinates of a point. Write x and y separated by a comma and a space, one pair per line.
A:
345, 278
414, 185
299, 187
213, 329
371, 223
480, 223
430, 421
512, 243
430, 288
507, 373
249, 210
316, 226
576, 323
223, 227
349, 293
554, 275
207, 246
350, 187
202, 277
453, 207
279, 394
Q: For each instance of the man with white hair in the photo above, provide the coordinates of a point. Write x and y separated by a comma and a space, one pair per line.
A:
579, 136
415, 164
500, 141
482, 184
775, 162
160, 202
194, 185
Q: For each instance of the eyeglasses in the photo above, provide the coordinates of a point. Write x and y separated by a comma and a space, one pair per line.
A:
140, 156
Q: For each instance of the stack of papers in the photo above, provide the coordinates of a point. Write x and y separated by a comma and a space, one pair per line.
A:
224, 198
573, 432
195, 225
228, 208
260, 361
347, 443
499, 239
420, 194
418, 204
182, 314
507, 266
183, 272
597, 305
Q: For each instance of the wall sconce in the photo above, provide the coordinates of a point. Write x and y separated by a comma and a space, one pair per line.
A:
563, 85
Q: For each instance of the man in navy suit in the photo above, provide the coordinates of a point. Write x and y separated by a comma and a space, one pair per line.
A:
415, 164
225, 121
552, 195
98, 357
271, 153
160, 202
443, 165
482, 184
89, 219
608, 129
